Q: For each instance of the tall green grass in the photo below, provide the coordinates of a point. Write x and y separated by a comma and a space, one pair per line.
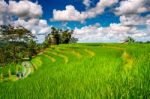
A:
104, 74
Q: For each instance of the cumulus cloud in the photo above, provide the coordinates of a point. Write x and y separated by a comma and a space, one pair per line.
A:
133, 7
99, 34
24, 13
38, 27
131, 23
86, 3
4, 18
71, 14
24, 9
3, 6
113, 33
134, 20
21, 9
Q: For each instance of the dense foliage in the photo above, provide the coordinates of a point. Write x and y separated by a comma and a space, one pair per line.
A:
18, 44
59, 36
14, 43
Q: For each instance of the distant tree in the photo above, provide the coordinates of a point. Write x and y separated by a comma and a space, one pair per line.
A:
148, 42
129, 40
140, 42
66, 36
59, 36
54, 36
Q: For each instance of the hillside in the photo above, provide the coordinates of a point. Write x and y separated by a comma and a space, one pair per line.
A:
85, 71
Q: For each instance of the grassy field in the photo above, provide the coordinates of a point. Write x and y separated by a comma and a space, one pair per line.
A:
85, 71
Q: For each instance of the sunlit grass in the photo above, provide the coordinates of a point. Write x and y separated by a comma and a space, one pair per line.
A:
88, 71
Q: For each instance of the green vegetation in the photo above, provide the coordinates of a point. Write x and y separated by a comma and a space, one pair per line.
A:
13, 44
129, 40
18, 47
84, 71
59, 36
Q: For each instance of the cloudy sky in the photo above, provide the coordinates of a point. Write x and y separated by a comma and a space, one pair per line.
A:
92, 20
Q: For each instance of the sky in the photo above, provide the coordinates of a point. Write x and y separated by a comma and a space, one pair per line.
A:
91, 20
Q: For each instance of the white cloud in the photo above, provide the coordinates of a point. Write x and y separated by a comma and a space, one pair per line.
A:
133, 7
3, 6
134, 20
43, 23
128, 10
38, 27
86, 3
113, 33
148, 22
71, 14
27, 15
24, 9
3, 12
21, 9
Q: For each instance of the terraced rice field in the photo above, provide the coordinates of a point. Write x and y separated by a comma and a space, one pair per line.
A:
85, 71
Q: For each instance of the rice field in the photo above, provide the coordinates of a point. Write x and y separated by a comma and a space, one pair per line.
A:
83, 71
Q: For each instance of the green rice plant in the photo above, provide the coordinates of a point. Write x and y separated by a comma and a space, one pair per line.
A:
5, 71
1, 77
103, 71
36, 63
9, 73
13, 69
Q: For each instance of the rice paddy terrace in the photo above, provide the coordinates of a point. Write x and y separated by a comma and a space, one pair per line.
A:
82, 71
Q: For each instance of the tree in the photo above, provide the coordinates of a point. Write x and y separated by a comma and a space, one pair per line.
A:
12, 34
46, 43
59, 36
16, 38
54, 36
66, 36
129, 40
32, 47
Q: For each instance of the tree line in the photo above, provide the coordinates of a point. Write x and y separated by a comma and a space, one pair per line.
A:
131, 40
17, 44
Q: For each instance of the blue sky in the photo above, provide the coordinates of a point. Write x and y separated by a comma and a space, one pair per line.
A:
91, 20
49, 5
